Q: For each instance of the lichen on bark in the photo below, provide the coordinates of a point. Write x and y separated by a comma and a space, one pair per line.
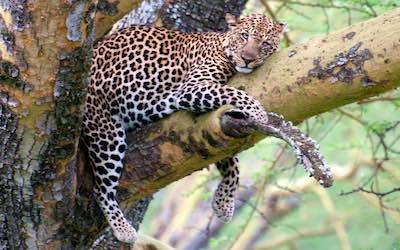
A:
18, 11
345, 67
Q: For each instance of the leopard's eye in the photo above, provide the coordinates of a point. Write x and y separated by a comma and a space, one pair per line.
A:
244, 36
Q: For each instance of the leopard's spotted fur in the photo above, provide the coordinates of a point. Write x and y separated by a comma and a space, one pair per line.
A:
141, 74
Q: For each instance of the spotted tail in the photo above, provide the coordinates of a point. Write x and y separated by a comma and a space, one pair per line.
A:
306, 149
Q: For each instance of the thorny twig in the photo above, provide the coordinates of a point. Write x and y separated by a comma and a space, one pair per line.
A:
371, 191
377, 163
380, 196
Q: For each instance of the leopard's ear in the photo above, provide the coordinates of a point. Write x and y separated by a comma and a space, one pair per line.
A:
231, 20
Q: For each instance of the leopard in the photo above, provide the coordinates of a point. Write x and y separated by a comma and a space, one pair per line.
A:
141, 74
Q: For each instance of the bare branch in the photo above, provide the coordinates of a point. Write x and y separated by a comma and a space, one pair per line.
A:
371, 191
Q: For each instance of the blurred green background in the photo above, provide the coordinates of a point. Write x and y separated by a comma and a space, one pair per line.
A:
278, 206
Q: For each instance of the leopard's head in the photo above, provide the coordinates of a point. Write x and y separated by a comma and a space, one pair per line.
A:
250, 40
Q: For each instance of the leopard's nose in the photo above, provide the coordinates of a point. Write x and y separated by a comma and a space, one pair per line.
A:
248, 57
247, 60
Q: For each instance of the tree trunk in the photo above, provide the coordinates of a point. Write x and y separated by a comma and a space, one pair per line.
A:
45, 54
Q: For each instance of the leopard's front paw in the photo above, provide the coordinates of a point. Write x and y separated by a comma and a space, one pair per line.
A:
223, 207
236, 123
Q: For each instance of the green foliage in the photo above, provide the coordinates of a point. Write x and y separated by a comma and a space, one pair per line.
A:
396, 244
380, 127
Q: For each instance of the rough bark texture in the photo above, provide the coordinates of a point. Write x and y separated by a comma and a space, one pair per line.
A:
201, 15
109, 12
45, 50
146, 13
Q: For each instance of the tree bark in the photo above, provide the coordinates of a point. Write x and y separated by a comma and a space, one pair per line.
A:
45, 53
109, 12
200, 15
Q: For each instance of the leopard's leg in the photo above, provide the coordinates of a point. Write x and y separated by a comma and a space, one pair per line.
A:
200, 97
203, 96
223, 202
106, 145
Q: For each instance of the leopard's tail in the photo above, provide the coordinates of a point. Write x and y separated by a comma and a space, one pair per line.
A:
306, 149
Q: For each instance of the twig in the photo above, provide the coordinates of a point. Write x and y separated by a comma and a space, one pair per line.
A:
328, 26
383, 214
384, 98
285, 188
287, 240
329, 129
333, 6
371, 8
351, 116
349, 18
280, 7
380, 194
298, 12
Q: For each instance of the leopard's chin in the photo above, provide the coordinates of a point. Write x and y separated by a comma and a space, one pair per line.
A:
244, 70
